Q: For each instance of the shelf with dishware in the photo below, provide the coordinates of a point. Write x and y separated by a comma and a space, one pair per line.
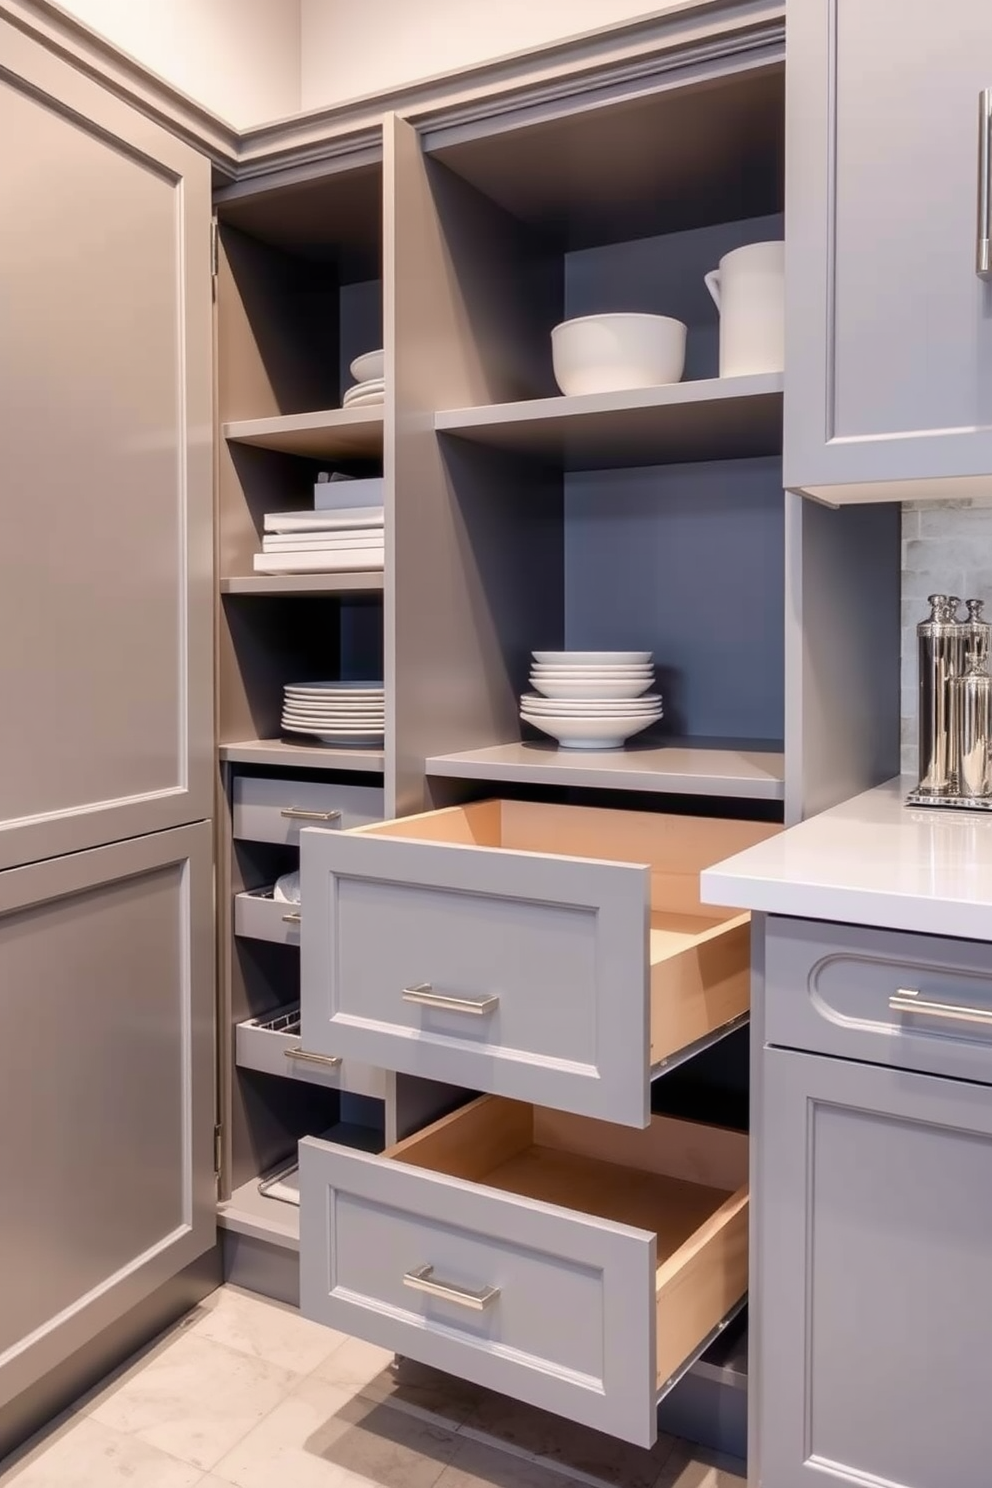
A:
300, 583
285, 754
711, 418
331, 434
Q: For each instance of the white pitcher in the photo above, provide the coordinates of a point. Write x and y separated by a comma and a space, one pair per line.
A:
748, 289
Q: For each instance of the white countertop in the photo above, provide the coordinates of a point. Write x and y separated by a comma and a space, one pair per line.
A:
871, 861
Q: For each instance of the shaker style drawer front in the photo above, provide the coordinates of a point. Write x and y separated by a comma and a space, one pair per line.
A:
915, 1001
273, 810
559, 1260
541, 952
260, 917
272, 1044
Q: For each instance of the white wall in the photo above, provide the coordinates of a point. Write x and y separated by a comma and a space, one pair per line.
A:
239, 58
946, 549
356, 47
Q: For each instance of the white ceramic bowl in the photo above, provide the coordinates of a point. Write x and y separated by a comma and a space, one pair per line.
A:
606, 353
591, 733
370, 364
592, 658
553, 687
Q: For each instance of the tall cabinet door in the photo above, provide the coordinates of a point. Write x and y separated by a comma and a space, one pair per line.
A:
106, 1089
106, 466
873, 1288
889, 353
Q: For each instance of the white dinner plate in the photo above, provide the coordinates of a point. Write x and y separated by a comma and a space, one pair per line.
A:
589, 707
368, 366
363, 400
596, 690
592, 658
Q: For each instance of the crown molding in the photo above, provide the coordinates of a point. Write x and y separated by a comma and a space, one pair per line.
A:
543, 78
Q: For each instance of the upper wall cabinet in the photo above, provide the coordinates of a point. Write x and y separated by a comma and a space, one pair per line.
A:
106, 562
889, 352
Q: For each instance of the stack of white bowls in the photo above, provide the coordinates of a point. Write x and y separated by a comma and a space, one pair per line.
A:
344, 714
369, 388
591, 699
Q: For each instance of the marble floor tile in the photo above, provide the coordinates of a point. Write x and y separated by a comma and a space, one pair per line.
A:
320, 1438
355, 1366
264, 1330
593, 1458
424, 1392
478, 1465
194, 1398
91, 1455
689, 1466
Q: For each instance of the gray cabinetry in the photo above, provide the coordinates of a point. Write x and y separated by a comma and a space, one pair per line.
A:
889, 354
106, 432
873, 1283
106, 1089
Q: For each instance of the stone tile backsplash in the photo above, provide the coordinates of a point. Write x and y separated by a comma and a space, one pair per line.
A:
946, 549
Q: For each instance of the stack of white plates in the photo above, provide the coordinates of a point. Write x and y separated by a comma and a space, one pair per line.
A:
591, 699
346, 714
370, 384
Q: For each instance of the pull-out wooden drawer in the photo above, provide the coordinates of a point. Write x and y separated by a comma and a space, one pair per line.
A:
273, 1045
273, 810
550, 953
563, 1261
259, 916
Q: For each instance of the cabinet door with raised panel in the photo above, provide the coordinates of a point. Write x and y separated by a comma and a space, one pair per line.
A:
105, 466
889, 351
873, 1289
106, 1089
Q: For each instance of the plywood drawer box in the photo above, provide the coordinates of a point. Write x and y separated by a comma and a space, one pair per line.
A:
566, 1262
273, 1045
550, 953
260, 917
272, 810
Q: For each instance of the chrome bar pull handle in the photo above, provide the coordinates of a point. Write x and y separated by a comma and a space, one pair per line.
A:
908, 1000
983, 265
292, 919
424, 994
329, 1061
296, 813
422, 1279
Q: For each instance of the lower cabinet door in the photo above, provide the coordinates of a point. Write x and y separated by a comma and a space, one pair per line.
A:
872, 1295
561, 1260
106, 1089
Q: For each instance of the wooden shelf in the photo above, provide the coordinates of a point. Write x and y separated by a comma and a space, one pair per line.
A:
329, 583
335, 433
746, 771
302, 756
710, 419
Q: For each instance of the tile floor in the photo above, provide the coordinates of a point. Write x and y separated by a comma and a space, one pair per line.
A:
247, 1393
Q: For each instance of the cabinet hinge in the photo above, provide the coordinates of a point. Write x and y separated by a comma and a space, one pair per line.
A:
218, 1147
214, 249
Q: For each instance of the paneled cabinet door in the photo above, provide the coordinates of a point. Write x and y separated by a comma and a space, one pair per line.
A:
873, 1290
889, 342
105, 466
106, 1089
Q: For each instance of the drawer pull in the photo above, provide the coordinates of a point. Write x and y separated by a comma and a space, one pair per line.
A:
422, 1280
329, 1061
983, 263
424, 994
908, 1001
296, 813
293, 918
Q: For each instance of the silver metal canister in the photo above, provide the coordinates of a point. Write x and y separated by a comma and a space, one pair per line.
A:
942, 641
971, 725
981, 631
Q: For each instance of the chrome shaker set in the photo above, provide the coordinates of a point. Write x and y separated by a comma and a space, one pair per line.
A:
955, 706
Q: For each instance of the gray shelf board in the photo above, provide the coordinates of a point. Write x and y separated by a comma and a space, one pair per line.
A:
334, 433
708, 419
250, 1213
328, 583
751, 770
302, 756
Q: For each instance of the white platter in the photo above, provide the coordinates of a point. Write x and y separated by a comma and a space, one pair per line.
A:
590, 707
592, 658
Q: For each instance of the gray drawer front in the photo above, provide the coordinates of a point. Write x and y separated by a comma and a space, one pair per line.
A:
828, 989
267, 1049
560, 945
260, 804
260, 917
572, 1329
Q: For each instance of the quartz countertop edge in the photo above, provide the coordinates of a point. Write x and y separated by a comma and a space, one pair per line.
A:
872, 860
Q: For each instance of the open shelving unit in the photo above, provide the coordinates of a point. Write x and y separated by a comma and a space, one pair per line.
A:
334, 434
